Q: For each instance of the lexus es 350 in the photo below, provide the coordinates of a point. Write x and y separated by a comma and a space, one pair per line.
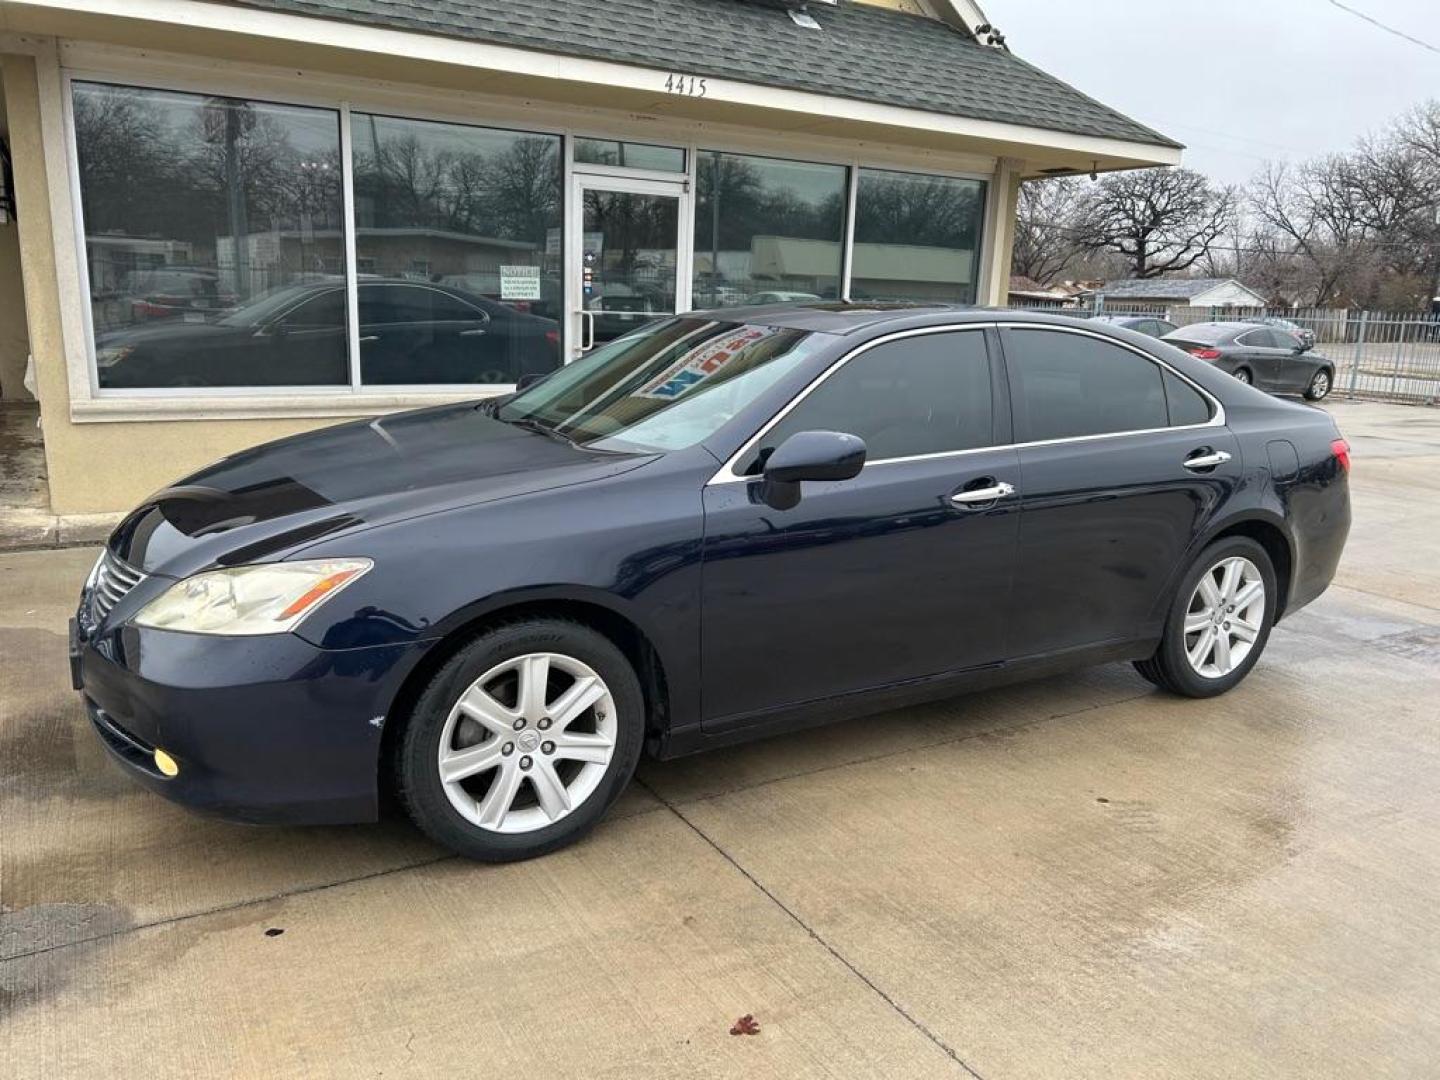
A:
721, 526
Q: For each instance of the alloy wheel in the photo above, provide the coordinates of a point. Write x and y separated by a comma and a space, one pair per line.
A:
1243, 375
1224, 617
1321, 385
527, 743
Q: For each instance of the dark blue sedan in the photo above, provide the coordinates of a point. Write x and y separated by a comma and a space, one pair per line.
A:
721, 526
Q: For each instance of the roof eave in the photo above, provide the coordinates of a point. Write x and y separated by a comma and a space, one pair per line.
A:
287, 40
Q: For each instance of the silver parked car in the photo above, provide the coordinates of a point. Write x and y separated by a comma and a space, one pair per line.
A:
1271, 359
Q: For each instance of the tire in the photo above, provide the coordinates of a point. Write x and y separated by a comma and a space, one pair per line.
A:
1171, 667
1320, 385
476, 705
1243, 374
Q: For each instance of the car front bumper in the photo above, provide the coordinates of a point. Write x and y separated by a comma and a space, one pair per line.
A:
264, 729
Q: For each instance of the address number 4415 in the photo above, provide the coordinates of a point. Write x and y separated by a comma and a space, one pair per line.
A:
685, 85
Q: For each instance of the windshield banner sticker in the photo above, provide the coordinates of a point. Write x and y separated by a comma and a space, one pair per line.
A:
697, 365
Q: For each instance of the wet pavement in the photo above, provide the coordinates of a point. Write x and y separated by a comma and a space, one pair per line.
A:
1076, 877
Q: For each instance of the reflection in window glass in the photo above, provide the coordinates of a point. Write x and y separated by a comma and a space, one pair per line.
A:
916, 237
630, 155
766, 231
208, 221
663, 387
459, 231
928, 394
1066, 385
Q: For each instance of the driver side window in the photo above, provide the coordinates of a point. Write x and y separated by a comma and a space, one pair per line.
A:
927, 394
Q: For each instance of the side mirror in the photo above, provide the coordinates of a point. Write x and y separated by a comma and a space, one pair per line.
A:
1301, 348
810, 455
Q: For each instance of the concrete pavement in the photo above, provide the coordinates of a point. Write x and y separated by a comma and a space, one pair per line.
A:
1075, 877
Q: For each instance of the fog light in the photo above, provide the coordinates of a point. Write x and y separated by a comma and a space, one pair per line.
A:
166, 764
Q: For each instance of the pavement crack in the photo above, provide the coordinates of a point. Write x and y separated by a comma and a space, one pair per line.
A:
899, 1009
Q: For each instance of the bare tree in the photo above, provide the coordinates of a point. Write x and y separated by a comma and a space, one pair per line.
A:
1160, 220
1047, 227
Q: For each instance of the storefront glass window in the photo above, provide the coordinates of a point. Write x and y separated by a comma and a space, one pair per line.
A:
766, 231
917, 237
213, 239
459, 229
629, 155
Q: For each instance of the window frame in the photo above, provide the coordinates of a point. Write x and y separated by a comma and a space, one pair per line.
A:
1001, 390
177, 73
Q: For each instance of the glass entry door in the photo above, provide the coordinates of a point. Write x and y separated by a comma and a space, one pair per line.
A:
628, 256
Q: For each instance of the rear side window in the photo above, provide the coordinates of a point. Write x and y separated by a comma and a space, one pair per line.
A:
1257, 339
1186, 404
927, 394
1066, 385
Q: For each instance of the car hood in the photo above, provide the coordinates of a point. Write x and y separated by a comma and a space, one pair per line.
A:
263, 503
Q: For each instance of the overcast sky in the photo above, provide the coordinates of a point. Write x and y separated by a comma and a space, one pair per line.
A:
1236, 81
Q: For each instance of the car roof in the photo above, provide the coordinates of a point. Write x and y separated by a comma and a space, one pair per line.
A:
855, 316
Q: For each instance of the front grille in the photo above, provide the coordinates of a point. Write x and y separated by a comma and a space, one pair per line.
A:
112, 580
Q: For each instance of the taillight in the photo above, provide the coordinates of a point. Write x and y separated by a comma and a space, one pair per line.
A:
1341, 449
1204, 354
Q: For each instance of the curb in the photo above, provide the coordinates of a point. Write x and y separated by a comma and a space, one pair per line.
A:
37, 530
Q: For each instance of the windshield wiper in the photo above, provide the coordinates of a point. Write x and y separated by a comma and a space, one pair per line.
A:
529, 423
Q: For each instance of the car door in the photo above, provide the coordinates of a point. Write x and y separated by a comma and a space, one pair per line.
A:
1122, 463
1261, 356
1295, 367
900, 573
307, 345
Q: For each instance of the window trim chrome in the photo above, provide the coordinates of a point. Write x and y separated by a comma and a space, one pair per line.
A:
727, 474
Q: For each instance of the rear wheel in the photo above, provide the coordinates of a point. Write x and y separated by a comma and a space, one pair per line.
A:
1243, 374
1219, 623
521, 741
1319, 385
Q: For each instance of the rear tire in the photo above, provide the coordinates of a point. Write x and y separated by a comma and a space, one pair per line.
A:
1237, 604
1320, 385
521, 741
1243, 375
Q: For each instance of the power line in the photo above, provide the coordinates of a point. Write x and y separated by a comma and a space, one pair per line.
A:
1382, 26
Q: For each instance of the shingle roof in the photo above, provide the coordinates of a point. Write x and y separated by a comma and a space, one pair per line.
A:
1164, 288
863, 52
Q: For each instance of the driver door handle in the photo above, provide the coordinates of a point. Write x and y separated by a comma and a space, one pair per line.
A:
1001, 490
1206, 459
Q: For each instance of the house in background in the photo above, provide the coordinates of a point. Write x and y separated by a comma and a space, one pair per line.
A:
555, 170
1180, 292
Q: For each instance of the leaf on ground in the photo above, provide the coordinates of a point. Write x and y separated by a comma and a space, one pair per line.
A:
746, 1025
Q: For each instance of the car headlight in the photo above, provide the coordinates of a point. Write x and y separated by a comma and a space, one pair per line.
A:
267, 598
110, 355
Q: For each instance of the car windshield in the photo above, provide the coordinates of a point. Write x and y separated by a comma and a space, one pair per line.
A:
664, 387
264, 307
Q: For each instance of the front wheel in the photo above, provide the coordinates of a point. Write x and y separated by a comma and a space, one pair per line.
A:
1219, 623
1319, 386
521, 741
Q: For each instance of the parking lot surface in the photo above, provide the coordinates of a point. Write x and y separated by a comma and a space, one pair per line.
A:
1076, 877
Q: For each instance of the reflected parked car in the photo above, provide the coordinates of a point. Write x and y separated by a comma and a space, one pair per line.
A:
296, 335
1304, 333
1271, 359
776, 296
168, 292
1150, 325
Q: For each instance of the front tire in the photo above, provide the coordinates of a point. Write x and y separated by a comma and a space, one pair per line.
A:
1219, 622
521, 741
1319, 386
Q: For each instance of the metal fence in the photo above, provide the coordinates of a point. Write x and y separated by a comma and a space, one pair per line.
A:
1384, 356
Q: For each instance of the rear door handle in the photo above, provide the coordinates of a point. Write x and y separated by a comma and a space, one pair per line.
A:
471, 333
1206, 459
976, 496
